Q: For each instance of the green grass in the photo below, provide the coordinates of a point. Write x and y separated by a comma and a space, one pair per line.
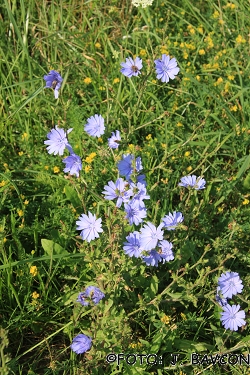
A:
195, 124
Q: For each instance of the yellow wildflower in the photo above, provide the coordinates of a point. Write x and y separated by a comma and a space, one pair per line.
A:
202, 52
20, 213
230, 77
246, 201
56, 170
33, 270
97, 45
143, 52
24, 136
35, 295
3, 183
116, 80
20, 153
148, 137
185, 55
240, 39
46, 167
234, 108
200, 29
87, 80
165, 319
216, 14
179, 124
198, 78
189, 168
183, 316
187, 153
87, 168
26, 202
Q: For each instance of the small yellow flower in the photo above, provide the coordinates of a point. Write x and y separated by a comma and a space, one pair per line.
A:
173, 157
143, 52
154, 81
179, 124
32, 252
187, 154
230, 77
182, 45
3, 183
101, 88
97, 45
202, 52
198, 78
26, 202
5, 165
35, 295
240, 39
219, 80
221, 22
46, 167
24, 136
33, 270
5, 239
94, 204
185, 55
100, 140
20, 153
215, 66
192, 31
189, 168
216, 14
220, 209
246, 201
56, 170
87, 168
200, 29
116, 80
87, 80
183, 316
20, 213
163, 145
165, 319
234, 108
148, 137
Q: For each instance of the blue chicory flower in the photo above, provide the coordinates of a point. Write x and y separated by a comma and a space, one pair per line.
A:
150, 235
114, 140
166, 251
193, 182
152, 259
89, 226
131, 67
91, 293
232, 318
132, 247
57, 141
140, 193
81, 343
119, 189
135, 213
73, 164
165, 68
128, 165
95, 126
53, 80
230, 284
171, 221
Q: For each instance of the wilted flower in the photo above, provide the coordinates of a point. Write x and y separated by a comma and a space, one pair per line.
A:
143, 3
53, 80
165, 68
131, 67
81, 343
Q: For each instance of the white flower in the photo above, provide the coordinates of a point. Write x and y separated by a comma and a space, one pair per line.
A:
143, 3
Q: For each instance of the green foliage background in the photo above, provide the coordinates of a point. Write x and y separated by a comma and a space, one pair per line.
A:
195, 124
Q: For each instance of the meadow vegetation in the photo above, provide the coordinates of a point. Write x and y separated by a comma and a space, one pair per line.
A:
195, 124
